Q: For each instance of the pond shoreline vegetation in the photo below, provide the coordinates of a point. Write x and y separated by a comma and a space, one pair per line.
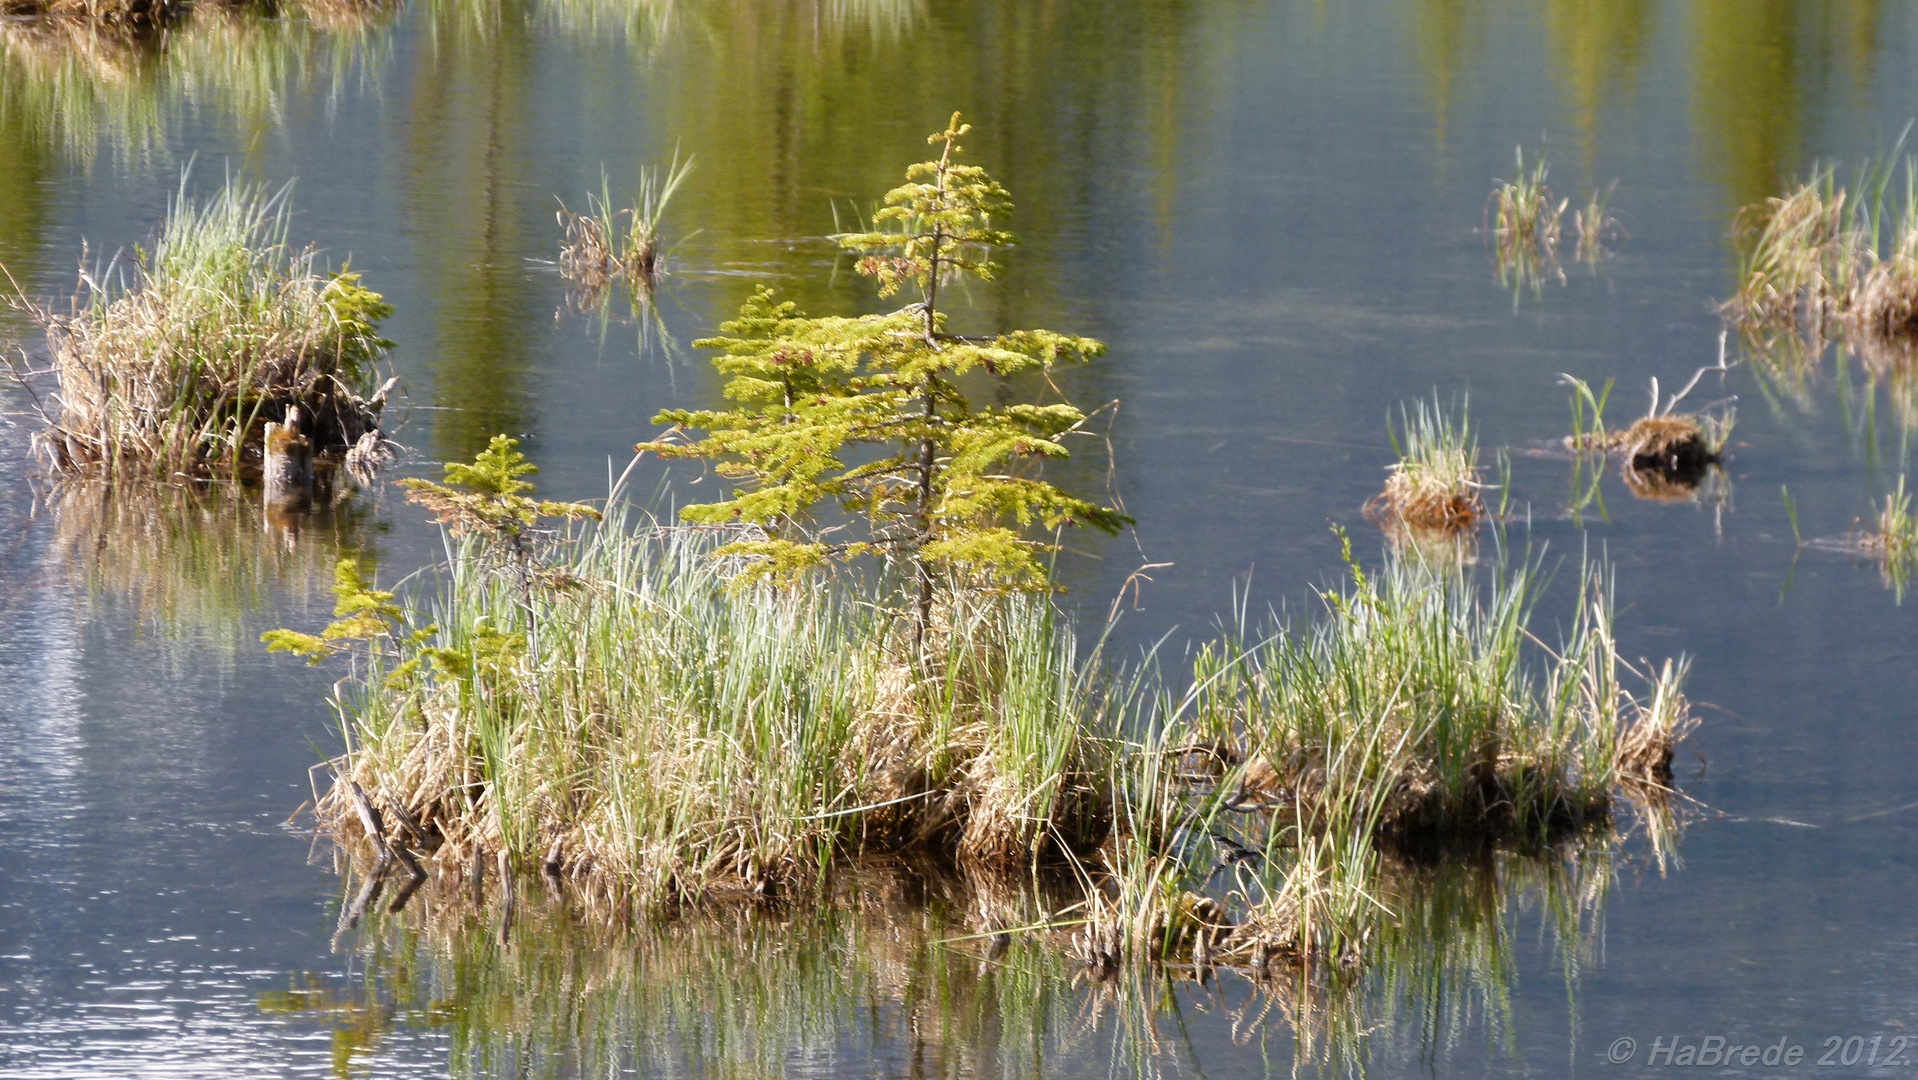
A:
846, 659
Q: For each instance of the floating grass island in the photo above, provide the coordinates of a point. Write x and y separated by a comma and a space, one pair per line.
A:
744, 705
173, 363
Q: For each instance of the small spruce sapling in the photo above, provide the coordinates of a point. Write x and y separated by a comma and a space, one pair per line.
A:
495, 502
951, 491
486, 499
363, 616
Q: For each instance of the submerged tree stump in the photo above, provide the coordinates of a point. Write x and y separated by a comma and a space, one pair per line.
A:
288, 465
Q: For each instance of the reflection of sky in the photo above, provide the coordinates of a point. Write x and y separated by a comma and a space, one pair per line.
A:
1267, 209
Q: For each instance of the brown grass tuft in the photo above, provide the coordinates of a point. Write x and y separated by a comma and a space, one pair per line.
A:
128, 13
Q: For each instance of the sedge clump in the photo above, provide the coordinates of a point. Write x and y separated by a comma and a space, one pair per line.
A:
605, 244
172, 362
1434, 487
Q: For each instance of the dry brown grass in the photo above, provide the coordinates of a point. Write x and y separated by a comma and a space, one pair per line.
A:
1412, 507
1434, 487
1884, 307
128, 13
1667, 443
1661, 458
599, 249
647, 733
1804, 249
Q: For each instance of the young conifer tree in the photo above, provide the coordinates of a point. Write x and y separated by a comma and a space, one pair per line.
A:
951, 490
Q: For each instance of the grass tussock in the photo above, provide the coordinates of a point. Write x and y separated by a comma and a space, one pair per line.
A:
1826, 260
654, 733
606, 244
1525, 218
1268, 818
1433, 490
171, 362
1894, 539
1526, 222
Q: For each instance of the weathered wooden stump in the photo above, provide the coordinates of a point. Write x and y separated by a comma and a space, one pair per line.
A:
288, 465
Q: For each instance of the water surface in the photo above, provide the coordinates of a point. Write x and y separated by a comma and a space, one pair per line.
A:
1271, 211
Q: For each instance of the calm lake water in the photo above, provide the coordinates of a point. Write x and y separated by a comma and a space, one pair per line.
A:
1271, 211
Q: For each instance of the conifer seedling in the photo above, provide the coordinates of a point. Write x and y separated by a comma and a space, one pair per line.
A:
949, 488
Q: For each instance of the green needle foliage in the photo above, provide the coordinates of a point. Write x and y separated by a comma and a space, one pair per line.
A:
950, 490
364, 615
489, 498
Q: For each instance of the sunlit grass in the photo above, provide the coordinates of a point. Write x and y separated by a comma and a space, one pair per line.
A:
1527, 222
604, 244
171, 360
671, 738
1434, 487
1894, 540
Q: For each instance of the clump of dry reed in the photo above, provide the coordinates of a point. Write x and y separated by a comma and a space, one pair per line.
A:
1824, 260
599, 249
1433, 489
170, 363
1268, 810
651, 733
1803, 255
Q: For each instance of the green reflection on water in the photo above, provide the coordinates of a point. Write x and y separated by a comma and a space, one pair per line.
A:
1755, 65
466, 142
890, 967
79, 89
1597, 49
197, 565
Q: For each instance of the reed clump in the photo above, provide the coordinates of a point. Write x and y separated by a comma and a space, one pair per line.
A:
170, 363
1267, 813
1434, 487
1826, 260
606, 244
619, 707
1527, 223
